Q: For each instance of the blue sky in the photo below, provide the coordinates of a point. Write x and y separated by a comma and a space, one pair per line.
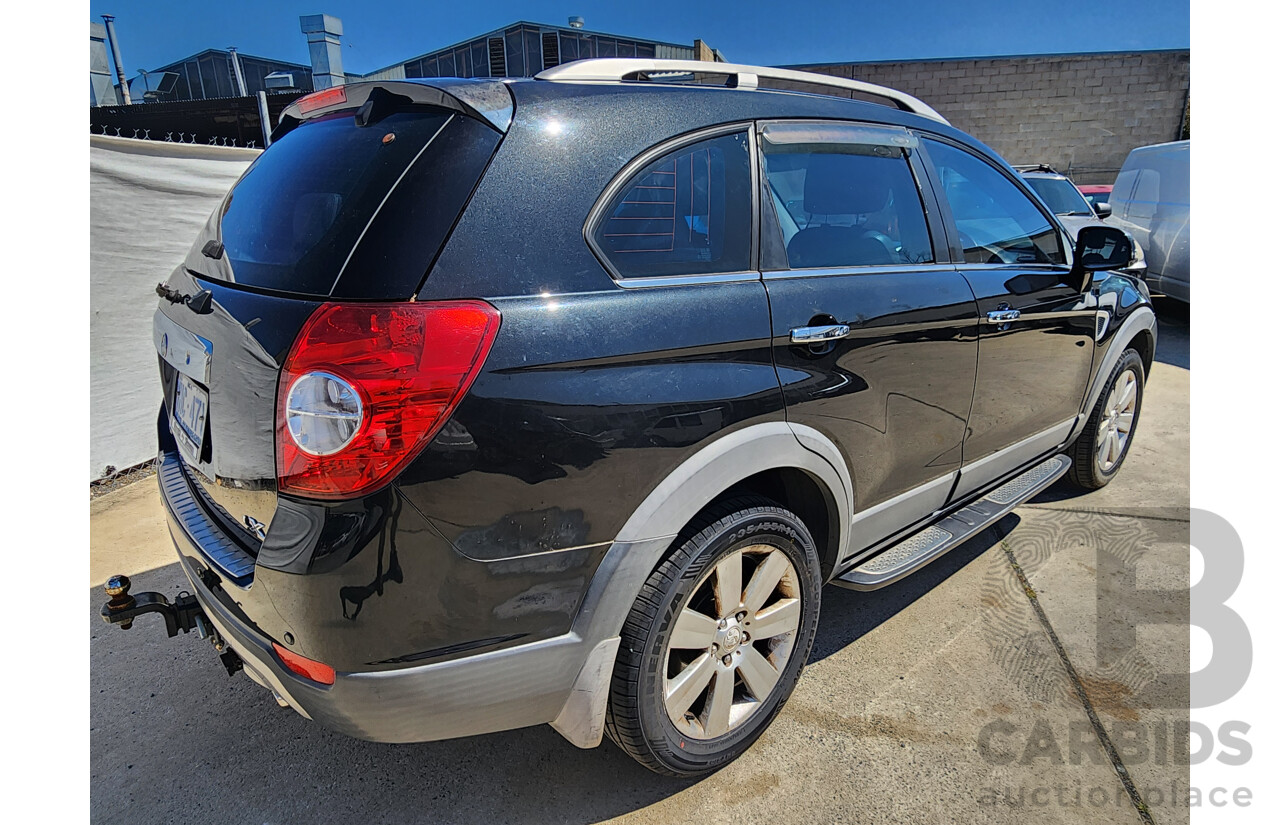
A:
749, 31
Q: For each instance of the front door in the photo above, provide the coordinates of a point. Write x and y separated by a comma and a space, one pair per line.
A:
1035, 345
874, 339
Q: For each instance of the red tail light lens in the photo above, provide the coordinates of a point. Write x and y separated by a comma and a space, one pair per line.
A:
408, 363
301, 665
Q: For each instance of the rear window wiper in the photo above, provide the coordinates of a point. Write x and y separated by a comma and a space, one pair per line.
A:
380, 104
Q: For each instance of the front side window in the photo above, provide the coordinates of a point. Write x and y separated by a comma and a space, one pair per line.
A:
687, 213
996, 220
845, 204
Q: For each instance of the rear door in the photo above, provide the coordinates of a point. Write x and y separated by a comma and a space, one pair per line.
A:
1037, 329
874, 331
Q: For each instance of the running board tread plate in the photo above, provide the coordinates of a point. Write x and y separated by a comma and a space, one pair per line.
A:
920, 548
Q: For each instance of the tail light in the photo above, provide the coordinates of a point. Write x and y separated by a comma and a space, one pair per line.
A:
367, 386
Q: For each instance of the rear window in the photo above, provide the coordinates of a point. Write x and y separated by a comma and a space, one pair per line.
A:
1060, 195
687, 213
293, 222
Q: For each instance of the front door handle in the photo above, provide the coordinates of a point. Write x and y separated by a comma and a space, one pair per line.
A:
818, 335
1003, 316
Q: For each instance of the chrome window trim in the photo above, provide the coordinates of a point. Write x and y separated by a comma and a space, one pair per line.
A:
633, 166
870, 269
687, 280
1028, 267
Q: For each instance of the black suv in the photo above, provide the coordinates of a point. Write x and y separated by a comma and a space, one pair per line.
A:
557, 400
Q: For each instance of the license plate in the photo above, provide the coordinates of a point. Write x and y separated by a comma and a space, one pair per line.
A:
190, 409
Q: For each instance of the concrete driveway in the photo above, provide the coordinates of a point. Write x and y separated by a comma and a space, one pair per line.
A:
1004, 683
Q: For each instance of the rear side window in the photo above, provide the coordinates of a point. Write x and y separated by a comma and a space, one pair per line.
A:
996, 220
686, 213
294, 219
846, 205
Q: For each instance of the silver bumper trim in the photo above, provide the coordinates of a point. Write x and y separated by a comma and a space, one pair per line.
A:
500, 690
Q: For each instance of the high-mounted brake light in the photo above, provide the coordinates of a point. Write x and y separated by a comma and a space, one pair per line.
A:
319, 100
367, 386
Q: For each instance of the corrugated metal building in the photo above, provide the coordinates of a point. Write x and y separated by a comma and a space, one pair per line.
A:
523, 49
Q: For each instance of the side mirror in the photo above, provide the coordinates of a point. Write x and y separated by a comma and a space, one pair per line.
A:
1099, 248
1103, 210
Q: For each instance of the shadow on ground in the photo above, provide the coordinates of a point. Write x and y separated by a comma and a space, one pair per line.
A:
848, 615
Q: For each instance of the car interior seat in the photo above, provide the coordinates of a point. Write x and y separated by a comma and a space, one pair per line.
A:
843, 185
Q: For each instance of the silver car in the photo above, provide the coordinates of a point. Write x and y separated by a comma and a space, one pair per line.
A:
1152, 200
1065, 200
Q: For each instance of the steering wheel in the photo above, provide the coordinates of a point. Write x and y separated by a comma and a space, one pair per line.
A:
996, 254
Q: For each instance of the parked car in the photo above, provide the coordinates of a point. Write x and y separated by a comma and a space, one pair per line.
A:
1095, 193
1152, 200
558, 400
1069, 204
1062, 196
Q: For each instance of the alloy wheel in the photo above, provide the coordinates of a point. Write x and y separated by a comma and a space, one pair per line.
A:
731, 642
1117, 421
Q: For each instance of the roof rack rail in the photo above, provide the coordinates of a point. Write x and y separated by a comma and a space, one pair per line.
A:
1036, 167
742, 76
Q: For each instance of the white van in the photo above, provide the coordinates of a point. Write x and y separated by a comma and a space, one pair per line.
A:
1152, 199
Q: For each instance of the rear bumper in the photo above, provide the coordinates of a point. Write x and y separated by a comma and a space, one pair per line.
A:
501, 690
498, 690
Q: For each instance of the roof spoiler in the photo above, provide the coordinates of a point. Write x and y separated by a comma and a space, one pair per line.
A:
486, 100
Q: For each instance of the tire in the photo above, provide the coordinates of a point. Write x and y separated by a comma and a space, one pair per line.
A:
662, 661
1091, 468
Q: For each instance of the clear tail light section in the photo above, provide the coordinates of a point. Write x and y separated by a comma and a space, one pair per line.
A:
322, 413
367, 386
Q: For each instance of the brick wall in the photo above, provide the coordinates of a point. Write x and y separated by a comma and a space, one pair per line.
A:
1077, 112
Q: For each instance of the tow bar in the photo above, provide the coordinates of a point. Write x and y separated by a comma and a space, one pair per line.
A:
184, 614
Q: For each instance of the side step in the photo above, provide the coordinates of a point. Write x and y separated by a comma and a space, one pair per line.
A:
918, 549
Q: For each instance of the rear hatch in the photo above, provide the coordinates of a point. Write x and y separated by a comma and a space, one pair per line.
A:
352, 203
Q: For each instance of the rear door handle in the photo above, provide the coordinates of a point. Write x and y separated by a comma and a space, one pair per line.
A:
1003, 316
817, 335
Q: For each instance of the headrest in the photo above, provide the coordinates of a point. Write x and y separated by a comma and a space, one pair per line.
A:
846, 184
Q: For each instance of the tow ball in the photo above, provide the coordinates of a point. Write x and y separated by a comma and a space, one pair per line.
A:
182, 614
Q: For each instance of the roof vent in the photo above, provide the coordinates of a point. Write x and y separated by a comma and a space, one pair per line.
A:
279, 80
576, 22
